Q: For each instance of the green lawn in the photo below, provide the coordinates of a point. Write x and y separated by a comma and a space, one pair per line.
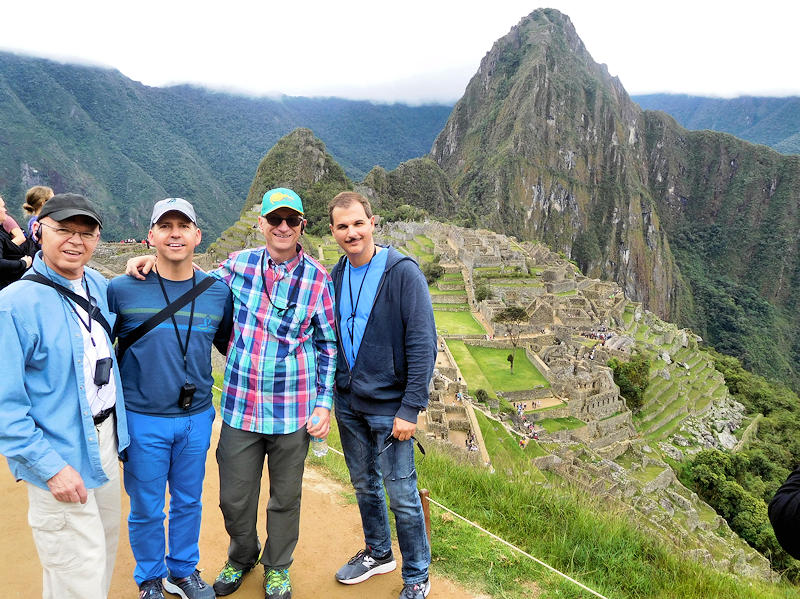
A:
424, 241
457, 323
503, 447
470, 370
494, 364
451, 307
552, 425
433, 290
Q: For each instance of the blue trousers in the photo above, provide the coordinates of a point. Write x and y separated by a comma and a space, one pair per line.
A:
363, 438
166, 451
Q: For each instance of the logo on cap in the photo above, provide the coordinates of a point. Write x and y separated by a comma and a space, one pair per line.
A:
279, 196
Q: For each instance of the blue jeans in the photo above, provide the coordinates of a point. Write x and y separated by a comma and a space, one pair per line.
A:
363, 437
166, 451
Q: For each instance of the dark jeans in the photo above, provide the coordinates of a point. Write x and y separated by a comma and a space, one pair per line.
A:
362, 436
240, 455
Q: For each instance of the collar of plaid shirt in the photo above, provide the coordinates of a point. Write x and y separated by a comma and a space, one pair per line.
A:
282, 359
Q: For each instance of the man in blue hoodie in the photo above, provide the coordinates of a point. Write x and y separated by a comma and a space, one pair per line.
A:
387, 350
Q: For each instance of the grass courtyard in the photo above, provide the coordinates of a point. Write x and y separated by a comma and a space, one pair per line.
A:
457, 323
487, 368
494, 364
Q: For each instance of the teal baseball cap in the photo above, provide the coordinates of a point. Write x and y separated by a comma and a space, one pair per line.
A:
280, 197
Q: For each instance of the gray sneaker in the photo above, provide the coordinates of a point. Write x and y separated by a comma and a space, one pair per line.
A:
417, 590
363, 565
191, 587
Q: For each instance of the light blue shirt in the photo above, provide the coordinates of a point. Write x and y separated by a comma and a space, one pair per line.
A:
45, 418
363, 296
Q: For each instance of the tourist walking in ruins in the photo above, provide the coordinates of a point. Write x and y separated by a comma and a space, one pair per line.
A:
387, 351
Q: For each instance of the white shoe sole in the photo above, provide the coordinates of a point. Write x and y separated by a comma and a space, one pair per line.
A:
174, 589
381, 569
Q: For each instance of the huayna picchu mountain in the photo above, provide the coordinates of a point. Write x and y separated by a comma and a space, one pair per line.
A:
700, 226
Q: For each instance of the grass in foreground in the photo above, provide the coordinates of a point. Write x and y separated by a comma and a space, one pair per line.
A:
597, 544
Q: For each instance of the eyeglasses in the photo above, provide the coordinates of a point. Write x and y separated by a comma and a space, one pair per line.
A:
65, 233
292, 220
390, 439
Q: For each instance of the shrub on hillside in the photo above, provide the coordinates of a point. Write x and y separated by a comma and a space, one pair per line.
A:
483, 292
632, 378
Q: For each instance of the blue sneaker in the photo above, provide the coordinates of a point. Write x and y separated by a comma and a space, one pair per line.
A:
417, 590
191, 587
151, 589
364, 565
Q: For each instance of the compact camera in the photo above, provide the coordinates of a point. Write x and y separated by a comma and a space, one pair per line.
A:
186, 395
102, 371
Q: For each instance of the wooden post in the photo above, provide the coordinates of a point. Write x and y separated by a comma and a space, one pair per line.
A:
426, 510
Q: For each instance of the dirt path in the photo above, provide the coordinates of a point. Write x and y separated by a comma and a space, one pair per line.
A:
330, 532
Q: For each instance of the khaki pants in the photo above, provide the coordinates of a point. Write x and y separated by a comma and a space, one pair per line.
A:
77, 543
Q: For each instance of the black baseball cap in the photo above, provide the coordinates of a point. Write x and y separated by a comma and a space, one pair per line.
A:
66, 205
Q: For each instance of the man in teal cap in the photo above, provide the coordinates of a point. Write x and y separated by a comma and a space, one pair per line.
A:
278, 378
278, 390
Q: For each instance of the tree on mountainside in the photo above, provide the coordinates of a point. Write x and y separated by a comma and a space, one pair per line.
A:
512, 318
715, 476
632, 378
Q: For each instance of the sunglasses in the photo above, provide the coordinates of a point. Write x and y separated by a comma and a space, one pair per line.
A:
275, 221
390, 439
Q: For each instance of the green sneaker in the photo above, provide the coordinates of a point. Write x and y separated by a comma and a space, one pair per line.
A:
229, 579
277, 584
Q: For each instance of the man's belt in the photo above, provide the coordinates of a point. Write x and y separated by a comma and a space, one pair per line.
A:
102, 415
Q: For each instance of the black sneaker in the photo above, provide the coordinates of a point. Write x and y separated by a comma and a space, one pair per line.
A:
229, 579
151, 589
191, 587
363, 565
277, 584
417, 590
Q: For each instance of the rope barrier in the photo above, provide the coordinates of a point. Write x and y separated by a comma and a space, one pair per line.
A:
515, 548
496, 538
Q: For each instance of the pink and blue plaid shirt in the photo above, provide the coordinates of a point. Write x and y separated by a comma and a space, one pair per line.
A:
282, 355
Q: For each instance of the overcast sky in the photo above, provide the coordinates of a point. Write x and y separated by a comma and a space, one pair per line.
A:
408, 50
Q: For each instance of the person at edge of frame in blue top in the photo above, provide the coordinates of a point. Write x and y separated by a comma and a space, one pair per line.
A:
170, 430
387, 351
62, 413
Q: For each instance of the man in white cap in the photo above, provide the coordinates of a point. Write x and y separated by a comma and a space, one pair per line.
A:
278, 390
166, 374
62, 416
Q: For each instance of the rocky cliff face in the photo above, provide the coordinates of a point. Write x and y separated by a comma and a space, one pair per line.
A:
545, 144
700, 226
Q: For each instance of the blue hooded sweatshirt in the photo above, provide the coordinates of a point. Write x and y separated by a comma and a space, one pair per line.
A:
395, 362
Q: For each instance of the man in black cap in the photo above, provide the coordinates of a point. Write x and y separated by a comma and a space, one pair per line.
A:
62, 416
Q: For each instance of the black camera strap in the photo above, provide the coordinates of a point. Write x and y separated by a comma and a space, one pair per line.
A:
89, 307
184, 348
123, 343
